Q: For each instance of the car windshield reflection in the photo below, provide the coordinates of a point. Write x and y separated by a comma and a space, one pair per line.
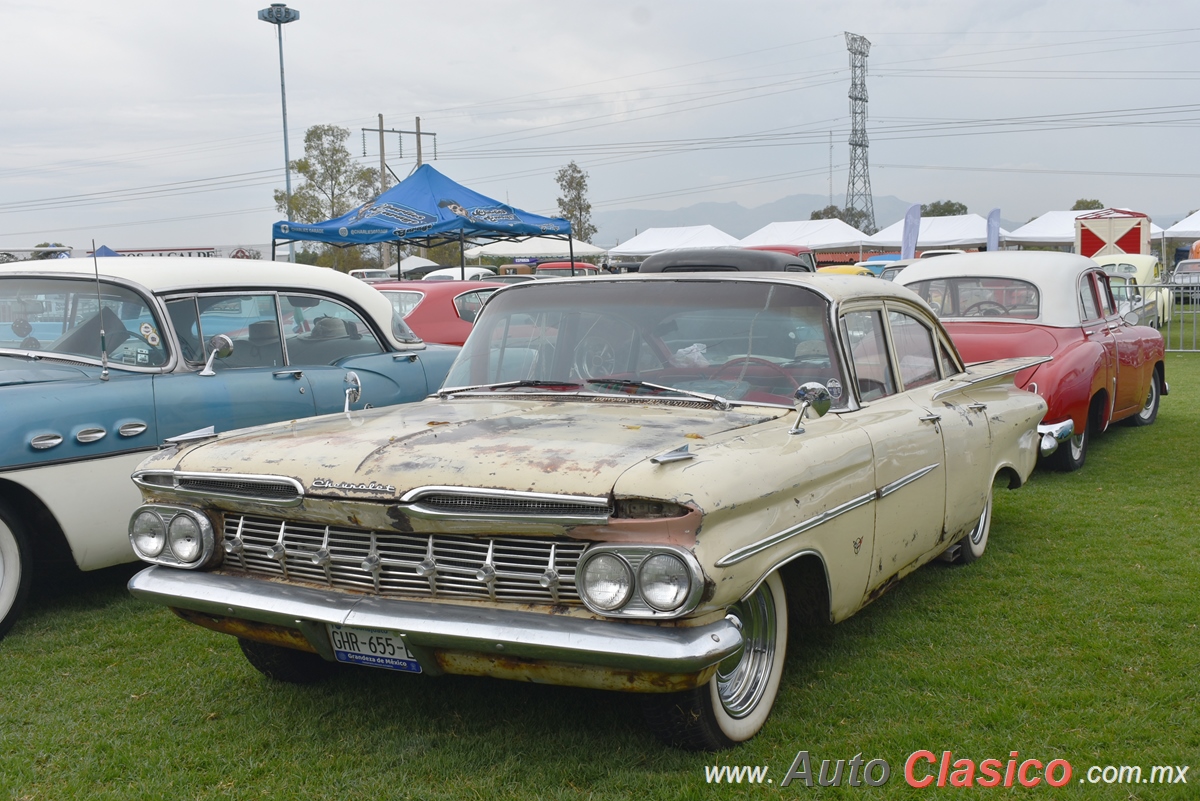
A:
739, 341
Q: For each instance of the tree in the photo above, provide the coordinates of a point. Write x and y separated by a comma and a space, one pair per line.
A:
573, 204
333, 184
943, 208
852, 217
1087, 204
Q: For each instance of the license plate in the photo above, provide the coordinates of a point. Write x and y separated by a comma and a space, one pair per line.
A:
372, 647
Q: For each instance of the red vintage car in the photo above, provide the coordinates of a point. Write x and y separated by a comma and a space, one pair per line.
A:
1105, 368
439, 311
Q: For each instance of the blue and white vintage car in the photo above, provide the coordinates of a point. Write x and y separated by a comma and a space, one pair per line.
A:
100, 362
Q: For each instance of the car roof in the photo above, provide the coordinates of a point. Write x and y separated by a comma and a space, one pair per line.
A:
163, 275
837, 288
438, 287
732, 259
1055, 274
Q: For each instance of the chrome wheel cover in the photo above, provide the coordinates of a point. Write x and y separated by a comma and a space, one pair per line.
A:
1148, 409
742, 678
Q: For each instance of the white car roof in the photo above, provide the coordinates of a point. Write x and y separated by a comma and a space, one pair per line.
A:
162, 275
1056, 276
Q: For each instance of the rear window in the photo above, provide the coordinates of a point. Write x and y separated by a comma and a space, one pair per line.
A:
986, 297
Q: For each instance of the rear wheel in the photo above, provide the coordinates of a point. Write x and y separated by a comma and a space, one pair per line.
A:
16, 568
735, 703
1072, 453
1149, 412
286, 664
972, 546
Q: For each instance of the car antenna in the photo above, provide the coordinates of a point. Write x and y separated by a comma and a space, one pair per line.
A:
100, 316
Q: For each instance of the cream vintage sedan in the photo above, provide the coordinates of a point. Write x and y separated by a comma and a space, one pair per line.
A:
634, 483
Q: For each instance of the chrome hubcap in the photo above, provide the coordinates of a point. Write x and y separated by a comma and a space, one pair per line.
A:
742, 678
1149, 407
1077, 446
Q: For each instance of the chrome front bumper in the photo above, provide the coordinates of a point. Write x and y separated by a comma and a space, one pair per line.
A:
1053, 434
432, 627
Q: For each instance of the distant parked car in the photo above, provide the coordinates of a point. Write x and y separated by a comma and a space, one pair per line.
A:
564, 269
458, 273
1131, 300
719, 260
797, 251
97, 370
894, 267
1186, 279
439, 311
1146, 271
371, 276
846, 269
929, 254
1007, 303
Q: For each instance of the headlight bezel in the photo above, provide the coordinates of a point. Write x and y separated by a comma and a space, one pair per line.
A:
635, 604
167, 555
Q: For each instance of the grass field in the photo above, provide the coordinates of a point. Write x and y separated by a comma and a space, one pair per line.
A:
1075, 637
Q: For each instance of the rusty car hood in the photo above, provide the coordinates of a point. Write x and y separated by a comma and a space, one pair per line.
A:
568, 446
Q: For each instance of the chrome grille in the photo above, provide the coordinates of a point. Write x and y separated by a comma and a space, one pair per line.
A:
394, 564
240, 487
492, 505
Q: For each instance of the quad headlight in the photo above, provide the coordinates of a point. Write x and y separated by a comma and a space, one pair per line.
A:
172, 535
639, 580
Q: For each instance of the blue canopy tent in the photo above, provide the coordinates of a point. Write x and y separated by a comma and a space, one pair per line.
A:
426, 209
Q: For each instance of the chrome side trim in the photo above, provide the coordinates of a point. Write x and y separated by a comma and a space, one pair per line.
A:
461, 627
86, 435
746, 552
44, 442
961, 384
132, 429
888, 489
192, 436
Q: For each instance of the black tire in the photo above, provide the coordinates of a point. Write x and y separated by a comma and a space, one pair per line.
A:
735, 703
1149, 412
974, 543
1071, 454
16, 568
286, 664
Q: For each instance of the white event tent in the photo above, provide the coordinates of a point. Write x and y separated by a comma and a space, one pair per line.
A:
656, 240
960, 230
1187, 228
537, 246
812, 234
1057, 228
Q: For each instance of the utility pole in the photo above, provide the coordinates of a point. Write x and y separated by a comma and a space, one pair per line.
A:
384, 169
831, 168
858, 185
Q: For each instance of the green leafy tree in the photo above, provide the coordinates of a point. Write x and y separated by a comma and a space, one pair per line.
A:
333, 183
852, 217
573, 204
943, 208
1087, 204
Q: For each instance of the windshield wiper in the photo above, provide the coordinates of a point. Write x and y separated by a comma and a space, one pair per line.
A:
720, 403
527, 382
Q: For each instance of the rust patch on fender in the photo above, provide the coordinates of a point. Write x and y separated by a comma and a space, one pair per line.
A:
248, 629
465, 663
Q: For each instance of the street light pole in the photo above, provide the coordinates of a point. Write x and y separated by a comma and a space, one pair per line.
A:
279, 15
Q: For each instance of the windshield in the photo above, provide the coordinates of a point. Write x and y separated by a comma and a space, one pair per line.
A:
971, 296
61, 316
755, 342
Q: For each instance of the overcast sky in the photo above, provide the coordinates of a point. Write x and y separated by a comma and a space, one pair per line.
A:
156, 124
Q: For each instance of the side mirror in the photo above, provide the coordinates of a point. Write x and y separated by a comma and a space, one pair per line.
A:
219, 345
812, 396
353, 390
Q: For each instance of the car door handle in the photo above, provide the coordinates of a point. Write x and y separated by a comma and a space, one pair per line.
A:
399, 357
930, 418
296, 374
977, 407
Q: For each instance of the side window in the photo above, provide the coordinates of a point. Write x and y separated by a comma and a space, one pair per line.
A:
324, 331
863, 331
914, 350
404, 302
1087, 300
186, 322
250, 321
468, 304
1107, 307
949, 367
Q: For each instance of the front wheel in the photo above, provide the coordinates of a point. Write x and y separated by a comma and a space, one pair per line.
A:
16, 569
1148, 413
735, 703
286, 664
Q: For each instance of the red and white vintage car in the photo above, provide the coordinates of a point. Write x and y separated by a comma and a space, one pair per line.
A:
997, 305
